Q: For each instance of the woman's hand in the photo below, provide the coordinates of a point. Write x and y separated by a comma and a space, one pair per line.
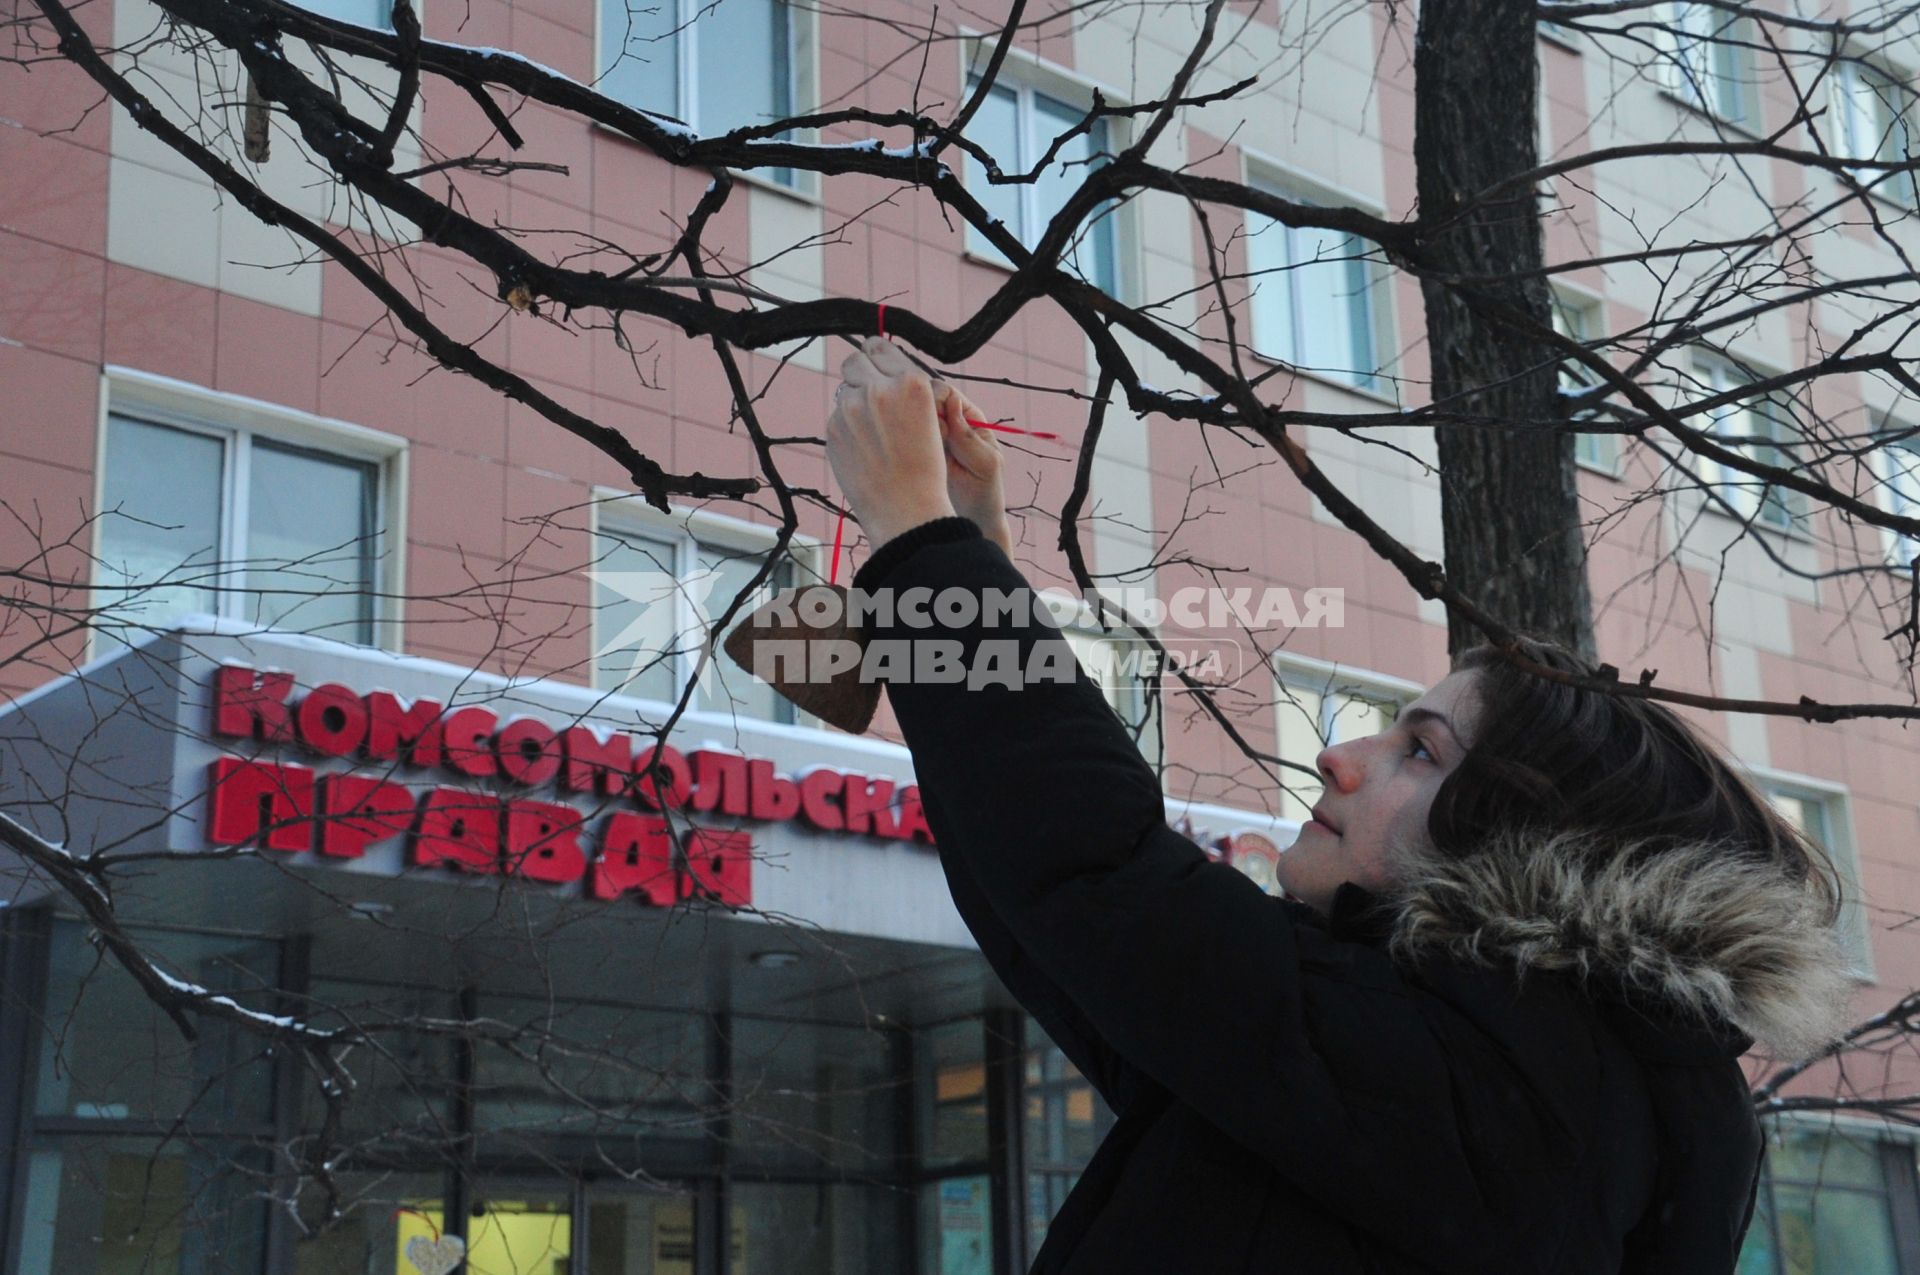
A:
974, 467
884, 442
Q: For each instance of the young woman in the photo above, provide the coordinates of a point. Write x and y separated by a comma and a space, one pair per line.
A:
1493, 1029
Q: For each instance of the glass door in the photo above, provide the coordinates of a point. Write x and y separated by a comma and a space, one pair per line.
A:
647, 1230
386, 1224
518, 1228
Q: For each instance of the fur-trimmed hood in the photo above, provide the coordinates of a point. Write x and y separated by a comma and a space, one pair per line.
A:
1711, 937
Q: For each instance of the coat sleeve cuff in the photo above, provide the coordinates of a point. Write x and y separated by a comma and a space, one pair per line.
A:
901, 547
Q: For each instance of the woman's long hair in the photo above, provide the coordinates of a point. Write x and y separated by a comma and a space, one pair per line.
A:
1550, 758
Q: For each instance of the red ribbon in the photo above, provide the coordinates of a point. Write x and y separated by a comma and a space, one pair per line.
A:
1010, 429
839, 525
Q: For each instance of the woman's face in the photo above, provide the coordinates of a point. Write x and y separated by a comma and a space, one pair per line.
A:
1377, 795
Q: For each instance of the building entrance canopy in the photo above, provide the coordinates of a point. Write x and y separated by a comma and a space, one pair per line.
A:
309, 773
353, 770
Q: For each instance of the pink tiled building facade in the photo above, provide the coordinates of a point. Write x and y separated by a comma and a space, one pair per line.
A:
219, 441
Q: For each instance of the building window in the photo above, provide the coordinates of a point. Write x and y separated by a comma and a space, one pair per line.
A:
658, 590
1065, 1120
101, 1192
717, 67
1899, 458
953, 1095
1706, 60
811, 1097
197, 516
377, 14
143, 1204
1757, 429
555, 1089
1320, 706
1315, 298
1564, 36
1872, 120
400, 1099
956, 1224
115, 1058
956, 1199
1822, 817
1578, 319
1016, 125
1118, 666
1827, 1202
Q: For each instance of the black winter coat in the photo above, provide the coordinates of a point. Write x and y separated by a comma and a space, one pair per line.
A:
1291, 1096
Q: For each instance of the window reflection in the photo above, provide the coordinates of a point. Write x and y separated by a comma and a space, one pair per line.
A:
953, 1087
401, 1100
113, 1205
118, 1056
561, 1067
812, 1095
1064, 1121
1825, 1206
819, 1228
366, 1227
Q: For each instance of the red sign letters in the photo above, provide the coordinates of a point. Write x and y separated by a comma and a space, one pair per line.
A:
292, 808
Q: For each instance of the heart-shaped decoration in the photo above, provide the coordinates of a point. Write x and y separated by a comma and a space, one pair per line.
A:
810, 615
436, 1257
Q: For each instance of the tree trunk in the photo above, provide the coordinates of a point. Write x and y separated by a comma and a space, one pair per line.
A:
1508, 501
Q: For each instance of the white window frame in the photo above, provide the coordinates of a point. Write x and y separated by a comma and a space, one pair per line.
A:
1543, 138
1577, 314
1027, 75
1151, 708
618, 512
1853, 97
237, 421
1899, 488
803, 69
1266, 173
1562, 36
1837, 809
1327, 679
1688, 33
1715, 374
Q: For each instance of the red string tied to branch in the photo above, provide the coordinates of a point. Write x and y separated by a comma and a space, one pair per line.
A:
839, 526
